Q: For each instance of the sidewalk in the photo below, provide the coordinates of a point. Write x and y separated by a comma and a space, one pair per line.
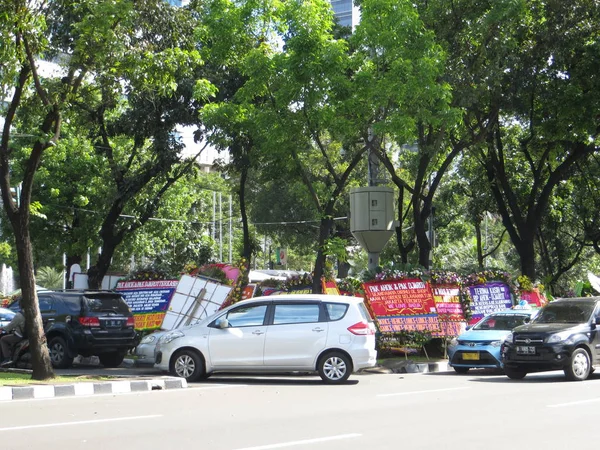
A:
87, 388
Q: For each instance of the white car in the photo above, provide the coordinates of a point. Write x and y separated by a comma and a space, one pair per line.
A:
6, 315
329, 334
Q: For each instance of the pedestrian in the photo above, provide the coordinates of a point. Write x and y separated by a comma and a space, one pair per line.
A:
7, 342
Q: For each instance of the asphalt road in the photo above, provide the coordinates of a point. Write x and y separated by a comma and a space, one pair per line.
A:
446, 411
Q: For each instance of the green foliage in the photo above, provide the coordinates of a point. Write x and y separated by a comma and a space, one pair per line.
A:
215, 272
50, 278
385, 343
149, 273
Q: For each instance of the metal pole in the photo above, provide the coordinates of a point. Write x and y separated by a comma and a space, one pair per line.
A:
230, 230
220, 227
265, 252
373, 261
65, 272
214, 222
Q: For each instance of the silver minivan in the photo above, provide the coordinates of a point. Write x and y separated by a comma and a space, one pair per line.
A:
328, 334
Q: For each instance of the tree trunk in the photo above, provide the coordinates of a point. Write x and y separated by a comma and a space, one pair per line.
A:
343, 269
40, 357
404, 250
480, 259
97, 271
247, 250
420, 219
324, 232
526, 251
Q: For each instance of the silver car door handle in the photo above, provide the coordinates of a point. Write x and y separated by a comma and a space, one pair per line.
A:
318, 330
258, 332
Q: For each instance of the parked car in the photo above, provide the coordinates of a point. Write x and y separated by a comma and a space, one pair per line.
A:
6, 315
563, 336
328, 334
88, 323
479, 347
146, 349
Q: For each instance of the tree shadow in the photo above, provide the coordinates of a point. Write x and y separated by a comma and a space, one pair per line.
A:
271, 380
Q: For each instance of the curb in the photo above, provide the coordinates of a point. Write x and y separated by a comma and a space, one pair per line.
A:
89, 388
431, 367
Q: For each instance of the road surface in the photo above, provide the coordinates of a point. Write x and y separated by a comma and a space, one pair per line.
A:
445, 410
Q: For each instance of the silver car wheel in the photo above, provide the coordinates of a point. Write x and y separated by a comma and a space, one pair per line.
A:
184, 366
580, 365
334, 368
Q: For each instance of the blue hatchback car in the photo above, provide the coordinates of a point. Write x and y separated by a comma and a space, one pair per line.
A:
479, 346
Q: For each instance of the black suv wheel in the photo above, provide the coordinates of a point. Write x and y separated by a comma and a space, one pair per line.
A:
59, 353
113, 359
514, 374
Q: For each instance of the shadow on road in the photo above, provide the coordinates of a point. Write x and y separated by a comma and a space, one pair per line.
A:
275, 380
533, 378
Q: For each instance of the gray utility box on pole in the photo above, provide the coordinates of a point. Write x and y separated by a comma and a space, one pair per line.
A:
372, 219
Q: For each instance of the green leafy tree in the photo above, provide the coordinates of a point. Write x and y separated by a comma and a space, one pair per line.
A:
401, 97
522, 70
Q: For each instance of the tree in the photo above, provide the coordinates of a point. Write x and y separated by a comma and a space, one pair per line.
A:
403, 99
118, 61
524, 68
25, 31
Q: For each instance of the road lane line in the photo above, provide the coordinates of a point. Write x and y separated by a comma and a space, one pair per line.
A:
83, 422
304, 442
580, 402
422, 392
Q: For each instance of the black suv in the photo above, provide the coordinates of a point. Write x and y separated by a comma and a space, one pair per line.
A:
86, 323
562, 336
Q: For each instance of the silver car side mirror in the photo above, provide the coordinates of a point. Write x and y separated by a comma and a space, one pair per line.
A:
222, 323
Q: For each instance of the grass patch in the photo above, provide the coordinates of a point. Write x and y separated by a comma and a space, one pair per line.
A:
22, 379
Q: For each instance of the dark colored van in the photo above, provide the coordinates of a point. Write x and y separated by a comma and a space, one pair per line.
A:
87, 323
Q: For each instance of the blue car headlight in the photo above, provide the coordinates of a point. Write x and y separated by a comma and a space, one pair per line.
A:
496, 343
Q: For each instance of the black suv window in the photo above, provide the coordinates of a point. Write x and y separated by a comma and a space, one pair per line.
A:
565, 312
46, 303
106, 303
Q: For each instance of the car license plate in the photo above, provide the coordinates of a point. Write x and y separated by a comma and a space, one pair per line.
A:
470, 356
525, 350
113, 323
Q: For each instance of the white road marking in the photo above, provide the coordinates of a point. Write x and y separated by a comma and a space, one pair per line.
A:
422, 392
82, 422
580, 402
304, 442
